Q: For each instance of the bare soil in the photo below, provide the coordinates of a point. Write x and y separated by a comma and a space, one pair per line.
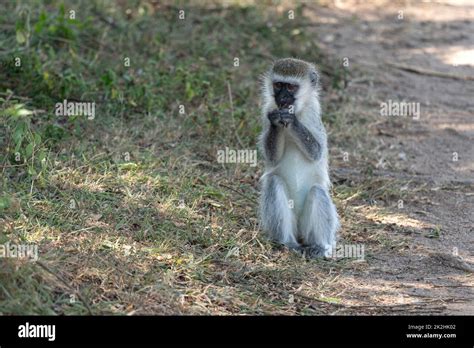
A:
434, 154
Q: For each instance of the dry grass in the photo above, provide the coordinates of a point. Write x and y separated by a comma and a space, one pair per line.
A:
132, 213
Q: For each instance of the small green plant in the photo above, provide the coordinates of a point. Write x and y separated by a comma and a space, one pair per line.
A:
435, 232
25, 147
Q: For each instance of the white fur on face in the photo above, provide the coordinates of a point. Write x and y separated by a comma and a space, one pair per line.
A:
305, 93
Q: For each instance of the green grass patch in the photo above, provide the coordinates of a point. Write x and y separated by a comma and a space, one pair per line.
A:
131, 208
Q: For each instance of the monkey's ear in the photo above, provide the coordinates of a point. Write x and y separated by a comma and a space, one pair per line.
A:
314, 78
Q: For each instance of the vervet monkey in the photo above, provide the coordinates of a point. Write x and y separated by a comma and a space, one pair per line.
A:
295, 206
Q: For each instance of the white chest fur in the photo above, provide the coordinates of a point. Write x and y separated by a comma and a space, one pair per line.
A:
300, 174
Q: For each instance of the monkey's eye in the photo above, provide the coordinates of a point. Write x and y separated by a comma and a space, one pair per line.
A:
277, 85
292, 88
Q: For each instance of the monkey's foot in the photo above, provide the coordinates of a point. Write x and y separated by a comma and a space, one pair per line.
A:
313, 252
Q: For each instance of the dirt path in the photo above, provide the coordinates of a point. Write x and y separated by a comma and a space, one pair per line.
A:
435, 152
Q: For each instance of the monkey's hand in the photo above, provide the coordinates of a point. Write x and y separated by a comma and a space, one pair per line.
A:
287, 118
281, 117
274, 117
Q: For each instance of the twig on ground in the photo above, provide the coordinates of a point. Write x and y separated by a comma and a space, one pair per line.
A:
428, 72
77, 292
371, 306
105, 19
240, 193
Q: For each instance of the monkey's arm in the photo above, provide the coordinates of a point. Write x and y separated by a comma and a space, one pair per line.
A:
305, 140
273, 138
273, 143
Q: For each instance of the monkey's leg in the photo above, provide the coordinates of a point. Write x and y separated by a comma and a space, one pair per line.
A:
278, 219
318, 223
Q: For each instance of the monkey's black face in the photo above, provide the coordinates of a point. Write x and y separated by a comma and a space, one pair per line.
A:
284, 94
